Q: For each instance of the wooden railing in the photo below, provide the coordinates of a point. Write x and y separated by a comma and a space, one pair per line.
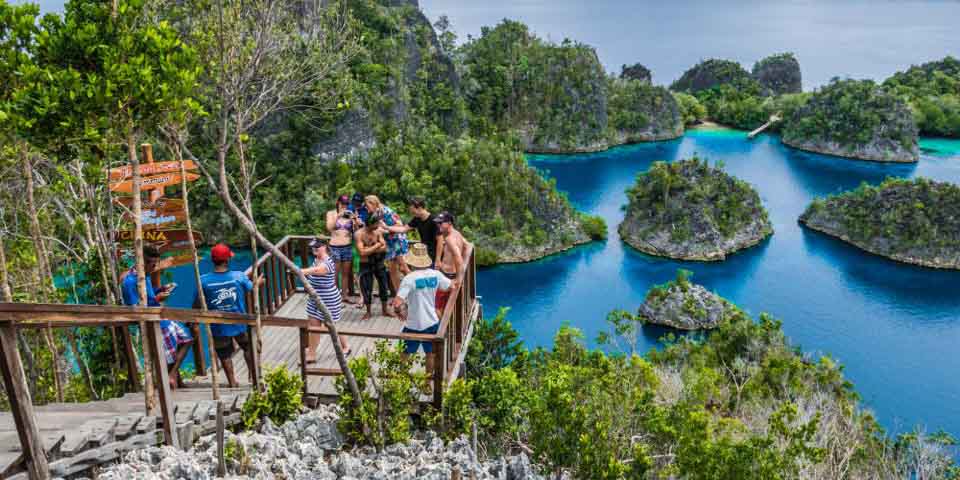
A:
449, 343
456, 324
14, 316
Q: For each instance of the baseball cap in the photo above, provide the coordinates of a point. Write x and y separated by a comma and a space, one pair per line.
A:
317, 242
343, 200
357, 198
443, 217
220, 253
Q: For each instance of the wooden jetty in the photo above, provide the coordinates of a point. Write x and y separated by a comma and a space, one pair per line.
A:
773, 119
67, 438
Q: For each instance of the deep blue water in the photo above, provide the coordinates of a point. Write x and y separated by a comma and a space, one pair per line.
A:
895, 327
855, 38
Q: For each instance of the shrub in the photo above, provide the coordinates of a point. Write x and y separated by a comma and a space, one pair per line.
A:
389, 396
282, 400
595, 227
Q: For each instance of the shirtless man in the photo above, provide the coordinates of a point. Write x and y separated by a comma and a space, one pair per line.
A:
450, 255
372, 248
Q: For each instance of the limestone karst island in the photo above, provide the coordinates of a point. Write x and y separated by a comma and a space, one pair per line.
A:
448, 240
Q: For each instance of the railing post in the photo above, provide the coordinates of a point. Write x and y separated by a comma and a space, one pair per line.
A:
304, 344
21, 406
130, 356
439, 371
155, 336
199, 362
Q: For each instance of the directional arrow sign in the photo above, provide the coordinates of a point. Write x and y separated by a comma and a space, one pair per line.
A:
158, 236
126, 171
151, 183
161, 205
153, 219
175, 261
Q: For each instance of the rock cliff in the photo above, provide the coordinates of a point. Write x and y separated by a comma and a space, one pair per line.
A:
689, 210
855, 119
778, 74
911, 221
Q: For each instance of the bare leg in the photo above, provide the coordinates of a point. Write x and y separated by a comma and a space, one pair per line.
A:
345, 279
248, 357
227, 364
314, 340
182, 350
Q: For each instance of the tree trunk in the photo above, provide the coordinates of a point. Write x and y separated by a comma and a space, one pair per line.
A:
254, 271
44, 275
5, 292
251, 227
141, 274
84, 368
214, 375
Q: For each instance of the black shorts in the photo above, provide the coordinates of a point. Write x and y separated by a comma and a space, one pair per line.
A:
224, 345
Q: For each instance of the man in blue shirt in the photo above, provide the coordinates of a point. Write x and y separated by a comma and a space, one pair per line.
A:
358, 207
225, 290
176, 339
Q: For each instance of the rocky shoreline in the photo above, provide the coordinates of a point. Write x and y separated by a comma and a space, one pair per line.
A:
910, 221
869, 153
311, 448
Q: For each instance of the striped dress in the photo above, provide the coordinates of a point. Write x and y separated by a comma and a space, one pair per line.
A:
326, 287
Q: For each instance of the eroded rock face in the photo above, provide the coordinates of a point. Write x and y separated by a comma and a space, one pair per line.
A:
309, 448
778, 74
855, 119
685, 306
689, 210
636, 72
911, 221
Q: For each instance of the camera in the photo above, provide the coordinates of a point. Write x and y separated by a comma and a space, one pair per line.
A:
347, 214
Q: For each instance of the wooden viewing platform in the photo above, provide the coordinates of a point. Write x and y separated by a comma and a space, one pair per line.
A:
66, 438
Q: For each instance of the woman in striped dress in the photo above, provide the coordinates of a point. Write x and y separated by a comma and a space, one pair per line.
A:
323, 278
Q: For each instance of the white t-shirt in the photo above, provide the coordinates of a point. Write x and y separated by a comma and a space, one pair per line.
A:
419, 290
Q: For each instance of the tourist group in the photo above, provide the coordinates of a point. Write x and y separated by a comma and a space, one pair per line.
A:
366, 237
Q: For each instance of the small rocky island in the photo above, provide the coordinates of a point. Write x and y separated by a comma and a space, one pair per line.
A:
912, 221
709, 74
684, 305
689, 210
855, 119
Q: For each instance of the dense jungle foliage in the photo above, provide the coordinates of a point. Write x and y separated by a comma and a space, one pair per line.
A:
933, 92
904, 216
679, 196
554, 94
854, 113
709, 74
740, 402
405, 82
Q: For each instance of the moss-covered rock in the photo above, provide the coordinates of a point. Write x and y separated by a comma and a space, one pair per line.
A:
855, 119
689, 210
684, 305
912, 221
709, 74
778, 74
636, 72
640, 112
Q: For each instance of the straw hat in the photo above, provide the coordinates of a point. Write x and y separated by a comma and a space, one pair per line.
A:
418, 256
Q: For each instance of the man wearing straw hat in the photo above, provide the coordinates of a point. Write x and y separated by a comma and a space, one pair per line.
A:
418, 291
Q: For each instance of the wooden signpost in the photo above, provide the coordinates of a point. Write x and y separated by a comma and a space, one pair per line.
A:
159, 217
